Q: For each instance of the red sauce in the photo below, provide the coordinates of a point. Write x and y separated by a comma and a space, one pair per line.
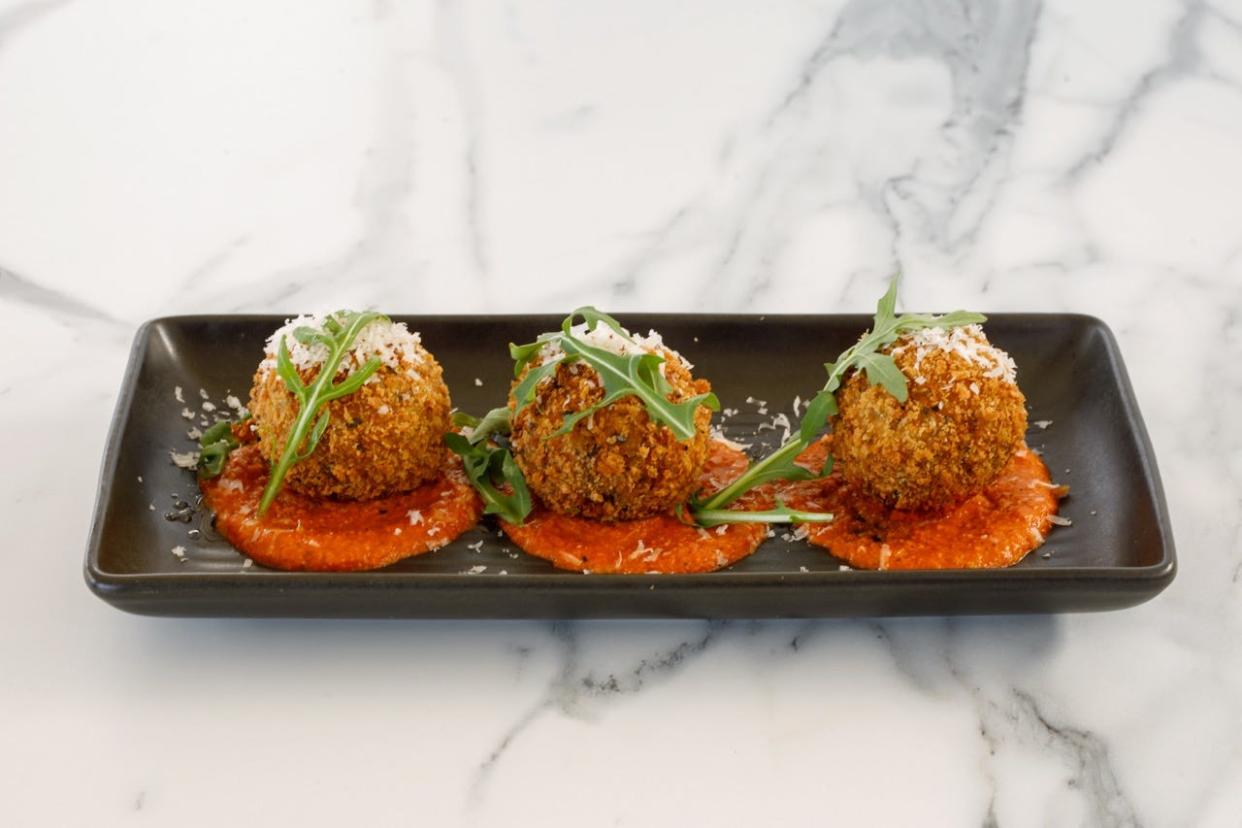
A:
300, 532
995, 528
661, 544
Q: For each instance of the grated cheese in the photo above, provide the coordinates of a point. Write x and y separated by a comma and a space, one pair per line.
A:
1060, 521
606, 339
475, 570
967, 342
184, 459
392, 342
1042, 424
415, 516
177, 394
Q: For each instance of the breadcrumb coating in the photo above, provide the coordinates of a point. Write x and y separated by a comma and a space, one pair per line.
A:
616, 464
949, 440
384, 439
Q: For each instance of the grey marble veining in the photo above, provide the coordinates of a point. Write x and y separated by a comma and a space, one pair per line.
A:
456, 157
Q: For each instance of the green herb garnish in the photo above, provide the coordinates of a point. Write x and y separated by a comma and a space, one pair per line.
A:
708, 518
214, 446
864, 355
625, 375
338, 334
490, 465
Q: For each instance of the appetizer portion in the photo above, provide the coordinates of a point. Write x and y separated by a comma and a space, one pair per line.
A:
617, 463
608, 449
385, 437
960, 424
931, 466
341, 464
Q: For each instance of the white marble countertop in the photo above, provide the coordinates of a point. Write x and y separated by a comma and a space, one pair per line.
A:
161, 158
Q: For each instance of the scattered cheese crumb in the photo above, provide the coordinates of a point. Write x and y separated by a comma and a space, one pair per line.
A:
209, 406
396, 530
246, 564
140, 478
645, 553
1042, 424
177, 394
1060, 521
234, 403
151, 507
184, 460
187, 413
194, 433
202, 392
477, 546
803, 569
383, 409
179, 553
415, 516
478, 382
503, 572
475, 570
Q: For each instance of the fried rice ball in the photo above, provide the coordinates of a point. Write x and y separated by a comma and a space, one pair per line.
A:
963, 421
384, 439
616, 464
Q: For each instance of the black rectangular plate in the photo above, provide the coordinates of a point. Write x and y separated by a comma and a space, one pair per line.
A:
1118, 552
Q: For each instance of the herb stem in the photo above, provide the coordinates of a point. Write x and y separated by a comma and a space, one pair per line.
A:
715, 517
749, 478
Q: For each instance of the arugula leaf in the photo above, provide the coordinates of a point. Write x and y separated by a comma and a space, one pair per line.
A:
489, 467
623, 375
631, 374
524, 394
339, 332
882, 370
215, 445
496, 421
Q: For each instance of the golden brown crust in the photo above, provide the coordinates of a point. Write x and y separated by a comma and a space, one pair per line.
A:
386, 438
948, 441
616, 464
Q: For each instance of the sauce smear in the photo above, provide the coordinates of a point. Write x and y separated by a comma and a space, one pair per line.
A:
995, 528
300, 532
661, 544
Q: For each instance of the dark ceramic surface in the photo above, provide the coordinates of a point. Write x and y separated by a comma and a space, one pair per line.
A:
1118, 552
